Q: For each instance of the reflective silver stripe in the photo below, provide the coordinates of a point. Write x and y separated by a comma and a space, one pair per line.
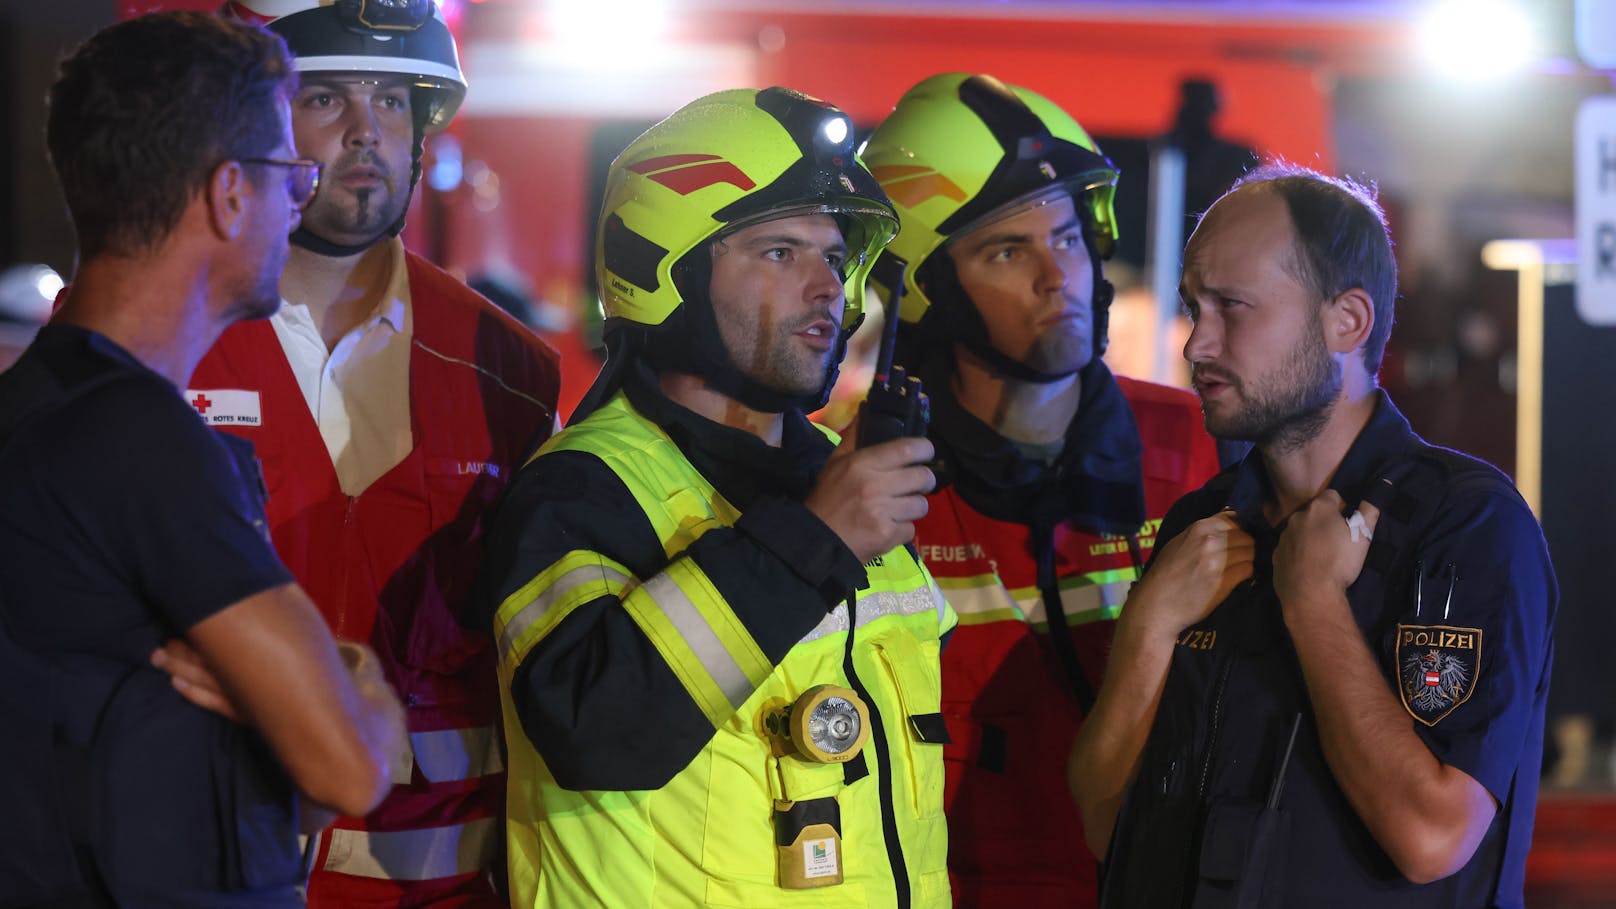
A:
834, 621
541, 604
882, 603
872, 606
457, 754
413, 855
700, 637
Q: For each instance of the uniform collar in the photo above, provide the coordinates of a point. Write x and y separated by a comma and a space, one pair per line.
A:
1384, 441
394, 306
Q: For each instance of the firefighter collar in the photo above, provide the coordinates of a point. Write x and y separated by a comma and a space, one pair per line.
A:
1095, 483
741, 465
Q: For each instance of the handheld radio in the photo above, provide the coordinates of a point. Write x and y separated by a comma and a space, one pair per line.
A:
897, 404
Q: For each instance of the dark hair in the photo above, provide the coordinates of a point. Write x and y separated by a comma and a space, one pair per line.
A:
145, 110
1342, 241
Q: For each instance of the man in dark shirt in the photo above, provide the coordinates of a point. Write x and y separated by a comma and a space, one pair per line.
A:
1362, 724
131, 534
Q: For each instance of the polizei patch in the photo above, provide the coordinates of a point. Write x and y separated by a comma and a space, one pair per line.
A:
1437, 667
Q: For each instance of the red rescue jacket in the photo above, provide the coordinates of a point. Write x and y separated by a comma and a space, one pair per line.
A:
392, 566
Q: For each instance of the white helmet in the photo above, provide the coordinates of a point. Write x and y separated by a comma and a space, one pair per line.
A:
404, 37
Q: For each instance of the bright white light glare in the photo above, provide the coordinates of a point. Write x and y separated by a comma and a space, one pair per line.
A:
1477, 39
609, 27
48, 282
27, 292
836, 130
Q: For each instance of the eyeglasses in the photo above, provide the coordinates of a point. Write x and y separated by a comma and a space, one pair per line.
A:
302, 177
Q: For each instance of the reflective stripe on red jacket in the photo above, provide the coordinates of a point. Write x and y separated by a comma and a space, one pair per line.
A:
392, 566
1015, 837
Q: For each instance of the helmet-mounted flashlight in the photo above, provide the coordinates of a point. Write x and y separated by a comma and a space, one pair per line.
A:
828, 724
836, 130
384, 15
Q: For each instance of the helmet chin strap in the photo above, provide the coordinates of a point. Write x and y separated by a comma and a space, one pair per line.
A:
320, 246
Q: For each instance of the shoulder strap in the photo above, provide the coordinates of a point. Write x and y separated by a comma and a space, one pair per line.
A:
1407, 495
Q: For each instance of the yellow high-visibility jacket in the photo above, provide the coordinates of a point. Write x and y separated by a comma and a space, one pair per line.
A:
646, 628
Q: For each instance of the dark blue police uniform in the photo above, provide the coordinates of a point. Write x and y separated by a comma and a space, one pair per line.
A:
1234, 804
124, 521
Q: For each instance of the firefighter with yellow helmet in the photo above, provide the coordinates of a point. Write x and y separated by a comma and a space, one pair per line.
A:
718, 659
1054, 472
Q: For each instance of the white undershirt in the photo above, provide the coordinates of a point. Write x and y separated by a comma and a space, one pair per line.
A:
359, 391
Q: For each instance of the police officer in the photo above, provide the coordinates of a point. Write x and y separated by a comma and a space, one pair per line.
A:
1056, 471
718, 660
1362, 724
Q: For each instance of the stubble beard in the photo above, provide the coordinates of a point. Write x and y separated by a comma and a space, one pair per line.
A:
793, 370
782, 364
260, 298
1289, 407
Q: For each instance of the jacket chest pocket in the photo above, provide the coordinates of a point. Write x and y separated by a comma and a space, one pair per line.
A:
911, 667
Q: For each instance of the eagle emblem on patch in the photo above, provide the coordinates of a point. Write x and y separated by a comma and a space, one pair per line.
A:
1437, 668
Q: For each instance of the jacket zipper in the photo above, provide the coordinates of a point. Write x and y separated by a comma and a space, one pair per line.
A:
340, 627
1212, 733
883, 763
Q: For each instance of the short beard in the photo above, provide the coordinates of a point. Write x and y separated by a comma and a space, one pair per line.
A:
256, 303
259, 298
369, 219
1292, 405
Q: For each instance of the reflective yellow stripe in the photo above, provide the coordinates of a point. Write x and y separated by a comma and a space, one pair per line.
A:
413, 855
1090, 602
535, 608
1093, 597
650, 606
722, 621
980, 599
718, 674
668, 615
